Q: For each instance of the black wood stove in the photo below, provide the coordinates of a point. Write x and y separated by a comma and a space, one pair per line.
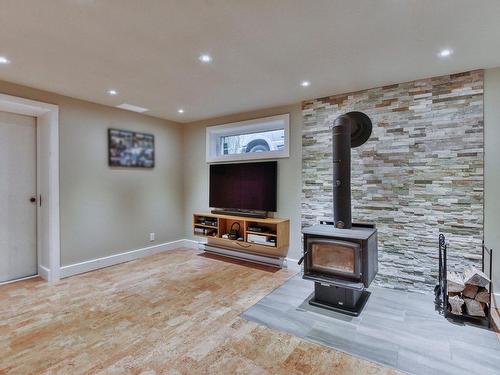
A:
342, 257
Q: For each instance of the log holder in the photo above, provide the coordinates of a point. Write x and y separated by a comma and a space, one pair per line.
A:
441, 289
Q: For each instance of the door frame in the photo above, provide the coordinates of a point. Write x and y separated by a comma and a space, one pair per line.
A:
47, 167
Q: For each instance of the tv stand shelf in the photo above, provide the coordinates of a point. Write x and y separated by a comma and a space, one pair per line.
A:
275, 231
262, 233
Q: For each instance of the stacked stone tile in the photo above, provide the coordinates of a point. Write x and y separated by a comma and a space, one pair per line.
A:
421, 172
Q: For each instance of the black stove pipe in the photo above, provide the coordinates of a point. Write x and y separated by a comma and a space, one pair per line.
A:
350, 130
341, 142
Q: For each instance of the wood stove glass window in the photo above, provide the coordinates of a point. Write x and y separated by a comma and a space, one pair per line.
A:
335, 258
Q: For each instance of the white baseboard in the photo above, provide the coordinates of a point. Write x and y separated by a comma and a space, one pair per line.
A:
293, 264
192, 244
255, 258
496, 300
94, 264
44, 272
16, 280
289, 263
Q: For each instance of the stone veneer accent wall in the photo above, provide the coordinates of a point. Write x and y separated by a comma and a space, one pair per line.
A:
421, 172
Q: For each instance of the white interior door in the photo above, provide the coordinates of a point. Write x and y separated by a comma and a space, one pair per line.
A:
18, 255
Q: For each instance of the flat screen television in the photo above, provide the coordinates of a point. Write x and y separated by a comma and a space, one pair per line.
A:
244, 186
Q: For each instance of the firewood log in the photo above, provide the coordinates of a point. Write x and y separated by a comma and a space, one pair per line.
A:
474, 307
455, 282
483, 295
456, 304
470, 291
475, 277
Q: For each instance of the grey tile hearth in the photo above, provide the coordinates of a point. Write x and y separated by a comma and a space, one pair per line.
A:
397, 328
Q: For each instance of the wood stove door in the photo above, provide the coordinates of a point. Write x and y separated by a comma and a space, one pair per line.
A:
334, 258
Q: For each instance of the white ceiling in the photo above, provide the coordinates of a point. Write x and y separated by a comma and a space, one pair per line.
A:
262, 49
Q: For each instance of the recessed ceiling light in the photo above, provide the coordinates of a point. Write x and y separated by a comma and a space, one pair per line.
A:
205, 58
4, 60
180, 110
445, 52
305, 83
112, 92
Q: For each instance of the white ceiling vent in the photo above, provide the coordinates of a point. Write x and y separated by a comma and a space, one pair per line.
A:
131, 107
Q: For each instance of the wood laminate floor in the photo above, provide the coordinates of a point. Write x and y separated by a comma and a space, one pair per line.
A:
171, 313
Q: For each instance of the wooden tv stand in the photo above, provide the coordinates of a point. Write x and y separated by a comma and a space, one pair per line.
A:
273, 228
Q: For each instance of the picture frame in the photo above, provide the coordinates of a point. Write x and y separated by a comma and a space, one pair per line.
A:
130, 149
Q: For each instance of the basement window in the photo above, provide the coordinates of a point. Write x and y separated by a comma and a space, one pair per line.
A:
263, 138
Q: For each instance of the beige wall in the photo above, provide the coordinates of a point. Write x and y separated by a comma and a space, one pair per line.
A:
105, 211
289, 190
289, 170
492, 169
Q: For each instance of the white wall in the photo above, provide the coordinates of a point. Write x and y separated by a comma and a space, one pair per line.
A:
492, 169
289, 171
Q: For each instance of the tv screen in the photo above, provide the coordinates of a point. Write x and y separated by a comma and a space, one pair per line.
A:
246, 186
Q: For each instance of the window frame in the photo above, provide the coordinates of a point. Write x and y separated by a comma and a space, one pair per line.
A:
263, 124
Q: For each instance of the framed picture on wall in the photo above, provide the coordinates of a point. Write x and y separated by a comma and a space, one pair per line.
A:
130, 149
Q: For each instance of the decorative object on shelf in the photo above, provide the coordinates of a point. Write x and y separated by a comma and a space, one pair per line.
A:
234, 234
130, 149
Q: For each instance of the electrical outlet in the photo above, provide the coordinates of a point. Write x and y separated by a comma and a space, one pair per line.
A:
151, 237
